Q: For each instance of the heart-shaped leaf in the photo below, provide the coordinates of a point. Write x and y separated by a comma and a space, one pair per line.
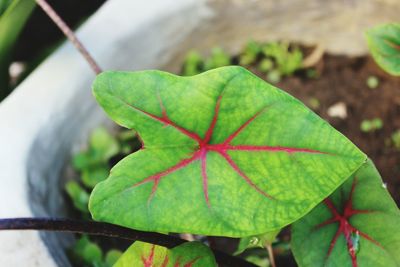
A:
191, 254
384, 44
358, 225
224, 153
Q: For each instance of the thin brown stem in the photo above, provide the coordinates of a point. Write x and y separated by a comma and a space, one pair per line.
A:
69, 34
109, 230
271, 255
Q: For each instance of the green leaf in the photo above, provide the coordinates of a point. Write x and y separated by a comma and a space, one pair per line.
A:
102, 146
12, 20
384, 45
103, 143
358, 225
250, 53
193, 63
78, 195
218, 58
93, 175
225, 153
88, 251
191, 254
112, 257
258, 260
258, 241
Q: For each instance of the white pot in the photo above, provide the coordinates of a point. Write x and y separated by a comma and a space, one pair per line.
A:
53, 109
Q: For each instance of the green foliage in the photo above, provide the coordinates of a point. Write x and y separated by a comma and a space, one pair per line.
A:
191, 254
356, 226
266, 65
193, 64
314, 103
259, 260
396, 139
274, 76
79, 196
13, 15
218, 58
250, 53
215, 144
371, 125
384, 45
112, 257
4, 4
92, 163
88, 253
287, 61
372, 82
259, 241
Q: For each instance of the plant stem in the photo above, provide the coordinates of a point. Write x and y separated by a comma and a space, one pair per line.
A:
109, 230
271, 255
69, 34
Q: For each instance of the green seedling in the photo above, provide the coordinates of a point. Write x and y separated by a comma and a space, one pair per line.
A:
371, 125
218, 58
250, 53
88, 253
372, 82
274, 76
78, 195
266, 65
193, 64
287, 61
314, 103
93, 162
396, 139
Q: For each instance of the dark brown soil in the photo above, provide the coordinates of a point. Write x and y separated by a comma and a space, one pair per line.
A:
343, 79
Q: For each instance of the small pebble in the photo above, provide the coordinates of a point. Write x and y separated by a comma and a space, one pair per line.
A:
338, 110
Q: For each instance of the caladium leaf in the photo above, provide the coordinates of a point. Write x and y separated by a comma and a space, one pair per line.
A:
384, 44
224, 153
358, 225
191, 254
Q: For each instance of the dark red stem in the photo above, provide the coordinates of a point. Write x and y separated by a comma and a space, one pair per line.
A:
109, 230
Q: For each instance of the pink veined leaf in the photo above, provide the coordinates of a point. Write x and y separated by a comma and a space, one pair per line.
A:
356, 226
224, 154
192, 254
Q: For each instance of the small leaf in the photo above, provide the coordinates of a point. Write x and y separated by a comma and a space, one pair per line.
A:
103, 143
81, 160
193, 63
191, 254
79, 196
258, 241
88, 251
93, 175
384, 45
258, 260
224, 154
112, 257
356, 226
218, 58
